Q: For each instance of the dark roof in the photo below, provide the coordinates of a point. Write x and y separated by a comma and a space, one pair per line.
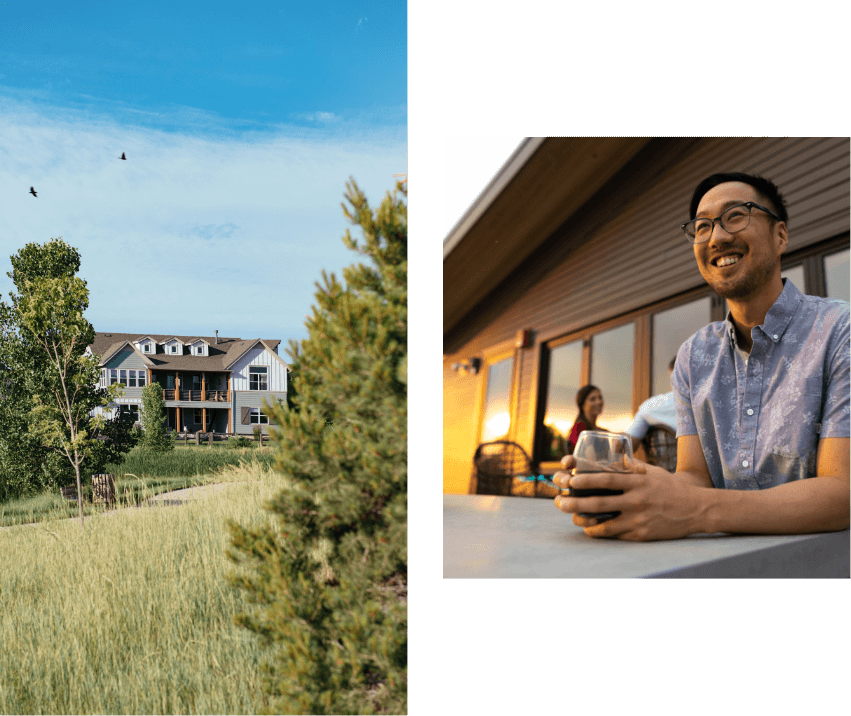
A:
222, 354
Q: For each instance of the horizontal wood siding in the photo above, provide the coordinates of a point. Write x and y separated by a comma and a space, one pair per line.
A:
128, 360
252, 399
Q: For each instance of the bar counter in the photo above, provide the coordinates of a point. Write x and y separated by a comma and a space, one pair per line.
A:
490, 536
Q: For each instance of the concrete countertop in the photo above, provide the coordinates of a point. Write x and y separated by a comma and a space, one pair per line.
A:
490, 536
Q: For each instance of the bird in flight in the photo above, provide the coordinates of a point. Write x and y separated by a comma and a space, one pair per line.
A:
122, 156
32, 191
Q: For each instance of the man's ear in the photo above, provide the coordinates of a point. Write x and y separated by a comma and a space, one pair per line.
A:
782, 236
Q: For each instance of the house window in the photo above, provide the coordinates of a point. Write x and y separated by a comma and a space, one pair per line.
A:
122, 376
199, 350
257, 418
564, 382
113, 376
257, 377
611, 372
836, 275
142, 377
146, 348
135, 378
173, 348
198, 418
670, 330
132, 410
497, 418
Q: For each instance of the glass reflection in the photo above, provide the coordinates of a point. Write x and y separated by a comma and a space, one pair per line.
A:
837, 275
670, 330
565, 373
611, 372
497, 418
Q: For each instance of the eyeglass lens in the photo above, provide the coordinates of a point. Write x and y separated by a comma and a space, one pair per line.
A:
734, 219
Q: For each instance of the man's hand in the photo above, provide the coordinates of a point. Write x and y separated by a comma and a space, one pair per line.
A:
655, 505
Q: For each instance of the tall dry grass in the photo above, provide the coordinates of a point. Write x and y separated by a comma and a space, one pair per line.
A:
133, 613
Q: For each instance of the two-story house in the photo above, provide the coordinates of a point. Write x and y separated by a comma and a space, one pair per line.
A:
209, 384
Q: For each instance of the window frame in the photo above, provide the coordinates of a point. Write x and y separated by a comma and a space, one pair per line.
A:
255, 370
263, 419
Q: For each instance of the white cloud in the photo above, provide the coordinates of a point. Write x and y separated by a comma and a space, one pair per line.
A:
191, 233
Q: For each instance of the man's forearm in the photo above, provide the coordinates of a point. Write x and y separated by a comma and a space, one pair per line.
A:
818, 504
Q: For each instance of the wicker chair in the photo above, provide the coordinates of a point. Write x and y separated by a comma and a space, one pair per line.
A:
495, 466
660, 446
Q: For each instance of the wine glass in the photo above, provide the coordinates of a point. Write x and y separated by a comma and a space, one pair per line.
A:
599, 451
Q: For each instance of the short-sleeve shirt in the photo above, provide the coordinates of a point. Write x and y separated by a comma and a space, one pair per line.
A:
658, 410
760, 416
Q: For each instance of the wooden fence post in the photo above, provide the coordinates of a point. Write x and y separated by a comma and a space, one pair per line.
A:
103, 488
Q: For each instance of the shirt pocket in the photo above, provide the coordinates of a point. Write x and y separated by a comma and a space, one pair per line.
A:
793, 455
812, 385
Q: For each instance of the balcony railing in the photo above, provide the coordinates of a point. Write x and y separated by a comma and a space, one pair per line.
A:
215, 396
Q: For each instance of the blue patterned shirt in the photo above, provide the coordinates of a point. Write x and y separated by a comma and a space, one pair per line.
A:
760, 417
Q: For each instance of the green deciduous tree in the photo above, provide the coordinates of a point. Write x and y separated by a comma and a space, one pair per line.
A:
28, 462
330, 583
26, 465
51, 309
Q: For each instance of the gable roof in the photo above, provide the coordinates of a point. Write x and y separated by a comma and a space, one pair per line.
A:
221, 355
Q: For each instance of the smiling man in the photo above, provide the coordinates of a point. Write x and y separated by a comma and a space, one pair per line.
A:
762, 398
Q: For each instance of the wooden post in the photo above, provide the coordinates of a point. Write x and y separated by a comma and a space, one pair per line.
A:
203, 386
177, 390
103, 488
197, 438
177, 417
230, 429
204, 419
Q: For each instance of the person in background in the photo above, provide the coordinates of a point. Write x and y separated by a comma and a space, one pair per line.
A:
657, 410
589, 400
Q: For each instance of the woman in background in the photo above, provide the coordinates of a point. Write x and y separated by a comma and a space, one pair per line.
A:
589, 399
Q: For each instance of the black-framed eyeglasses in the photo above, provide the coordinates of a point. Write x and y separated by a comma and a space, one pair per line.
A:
732, 220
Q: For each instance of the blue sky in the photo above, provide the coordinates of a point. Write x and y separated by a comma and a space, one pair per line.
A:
241, 124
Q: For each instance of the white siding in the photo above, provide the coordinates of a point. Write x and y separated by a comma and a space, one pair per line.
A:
260, 356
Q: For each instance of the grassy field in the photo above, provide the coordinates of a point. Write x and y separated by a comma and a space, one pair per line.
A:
133, 613
141, 475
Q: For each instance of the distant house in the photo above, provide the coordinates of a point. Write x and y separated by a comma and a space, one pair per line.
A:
209, 384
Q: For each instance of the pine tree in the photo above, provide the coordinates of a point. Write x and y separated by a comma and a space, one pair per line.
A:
329, 585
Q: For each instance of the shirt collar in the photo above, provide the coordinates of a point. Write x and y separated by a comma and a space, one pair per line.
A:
778, 317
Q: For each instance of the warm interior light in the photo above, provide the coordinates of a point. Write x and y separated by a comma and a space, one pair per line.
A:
497, 426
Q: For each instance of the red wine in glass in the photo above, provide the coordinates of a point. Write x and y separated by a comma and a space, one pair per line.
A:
599, 451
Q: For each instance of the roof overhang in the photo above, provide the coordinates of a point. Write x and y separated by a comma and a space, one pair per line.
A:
543, 183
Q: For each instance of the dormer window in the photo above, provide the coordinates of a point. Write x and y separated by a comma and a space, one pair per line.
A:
146, 348
199, 350
173, 348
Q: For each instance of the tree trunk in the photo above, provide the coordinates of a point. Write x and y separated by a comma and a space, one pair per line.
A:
79, 489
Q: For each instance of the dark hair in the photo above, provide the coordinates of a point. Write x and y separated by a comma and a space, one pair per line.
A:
672, 363
581, 395
764, 187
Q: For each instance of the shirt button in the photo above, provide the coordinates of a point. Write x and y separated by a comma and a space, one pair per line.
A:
745, 463
750, 411
775, 336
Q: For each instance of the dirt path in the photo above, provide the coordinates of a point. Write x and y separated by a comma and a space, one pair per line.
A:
175, 497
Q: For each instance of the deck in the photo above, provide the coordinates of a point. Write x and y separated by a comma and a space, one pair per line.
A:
200, 396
